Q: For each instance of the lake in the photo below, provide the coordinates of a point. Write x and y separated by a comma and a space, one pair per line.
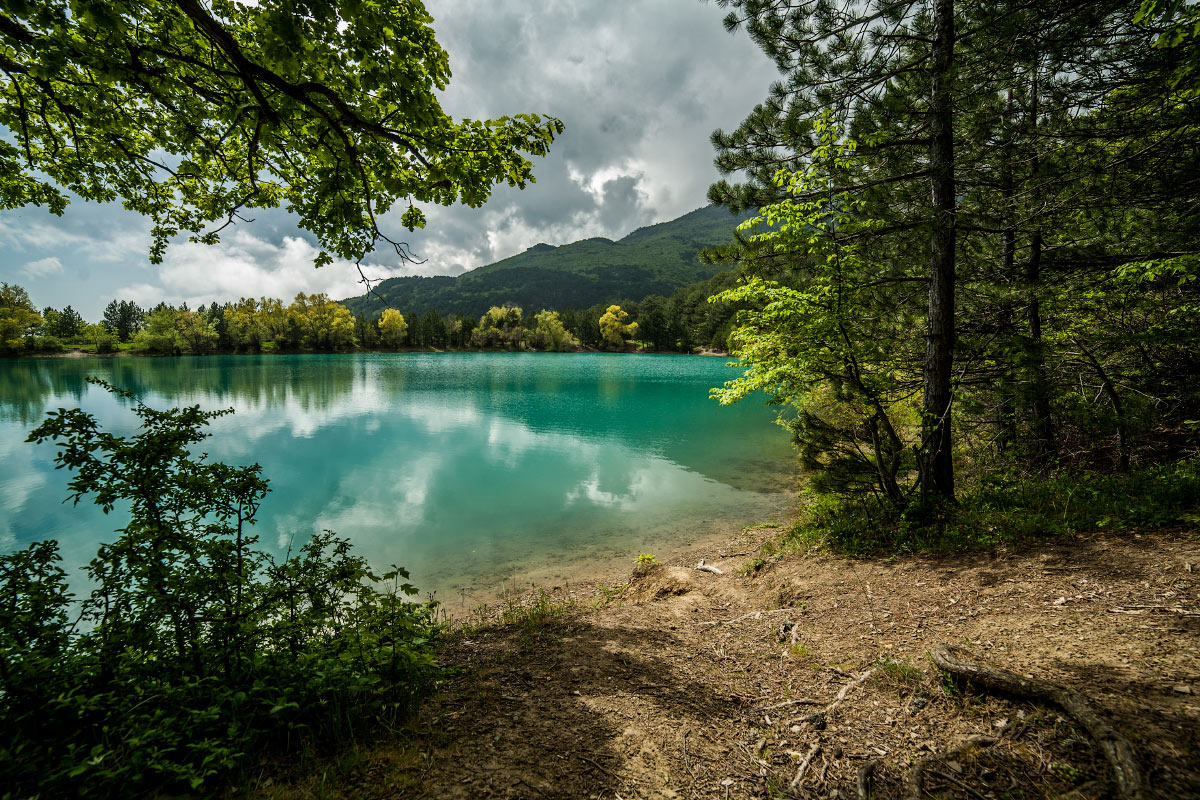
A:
469, 469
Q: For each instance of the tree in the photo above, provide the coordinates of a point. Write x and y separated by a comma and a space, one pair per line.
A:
195, 333
247, 328
19, 319
323, 323
828, 349
392, 328
1009, 152
550, 334
330, 109
124, 318
655, 324
70, 324
499, 326
615, 327
161, 333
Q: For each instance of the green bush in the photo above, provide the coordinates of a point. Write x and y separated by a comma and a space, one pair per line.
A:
47, 344
1010, 508
195, 652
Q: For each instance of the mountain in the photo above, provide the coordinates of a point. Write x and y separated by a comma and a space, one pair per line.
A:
656, 259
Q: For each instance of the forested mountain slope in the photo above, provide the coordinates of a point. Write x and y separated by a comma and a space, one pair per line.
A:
656, 259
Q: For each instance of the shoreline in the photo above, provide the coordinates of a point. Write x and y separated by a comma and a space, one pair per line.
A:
80, 353
580, 578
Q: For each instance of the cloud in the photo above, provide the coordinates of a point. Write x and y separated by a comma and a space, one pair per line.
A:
245, 265
43, 267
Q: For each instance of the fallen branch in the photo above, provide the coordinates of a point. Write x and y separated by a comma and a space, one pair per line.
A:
687, 763
914, 788
1116, 748
951, 779
812, 752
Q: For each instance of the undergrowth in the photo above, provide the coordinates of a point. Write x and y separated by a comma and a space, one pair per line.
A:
195, 653
1005, 510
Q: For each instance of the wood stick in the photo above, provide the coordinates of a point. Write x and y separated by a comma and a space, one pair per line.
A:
812, 752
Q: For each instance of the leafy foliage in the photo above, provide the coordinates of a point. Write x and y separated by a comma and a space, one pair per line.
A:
845, 371
615, 327
19, 319
1065, 259
327, 108
1006, 509
392, 327
194, 651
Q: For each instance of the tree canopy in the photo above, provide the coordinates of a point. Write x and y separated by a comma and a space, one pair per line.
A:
190, 112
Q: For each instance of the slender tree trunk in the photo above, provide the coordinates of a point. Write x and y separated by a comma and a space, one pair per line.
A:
1039, 390
1006, 418
1038, 398
938, 473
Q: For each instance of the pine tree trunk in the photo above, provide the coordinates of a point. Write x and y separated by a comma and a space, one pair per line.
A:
1006, 418
1039, 390
938, 473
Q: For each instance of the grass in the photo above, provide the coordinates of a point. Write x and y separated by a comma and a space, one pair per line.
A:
537, 615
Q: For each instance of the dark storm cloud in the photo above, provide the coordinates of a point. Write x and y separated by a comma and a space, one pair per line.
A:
639, 84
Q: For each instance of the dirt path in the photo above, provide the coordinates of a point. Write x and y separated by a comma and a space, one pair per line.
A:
692, 684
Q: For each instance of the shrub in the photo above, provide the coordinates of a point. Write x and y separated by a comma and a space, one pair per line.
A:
194, 652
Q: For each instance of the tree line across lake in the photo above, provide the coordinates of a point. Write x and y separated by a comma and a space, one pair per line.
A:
314, 322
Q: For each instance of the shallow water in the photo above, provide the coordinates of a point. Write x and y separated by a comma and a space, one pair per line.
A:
466, 468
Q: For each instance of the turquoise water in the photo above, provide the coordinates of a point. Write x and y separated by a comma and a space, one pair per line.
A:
468, 469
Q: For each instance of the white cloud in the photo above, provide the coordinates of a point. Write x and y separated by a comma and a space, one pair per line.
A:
244, 265
43, 267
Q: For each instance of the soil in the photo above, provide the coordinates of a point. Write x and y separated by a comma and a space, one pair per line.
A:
685, 683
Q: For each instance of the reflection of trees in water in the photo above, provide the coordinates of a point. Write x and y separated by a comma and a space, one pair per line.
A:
26, 386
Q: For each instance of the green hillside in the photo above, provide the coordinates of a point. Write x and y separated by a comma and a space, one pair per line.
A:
657, 259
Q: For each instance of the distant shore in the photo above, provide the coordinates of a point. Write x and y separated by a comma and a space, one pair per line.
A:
77, 352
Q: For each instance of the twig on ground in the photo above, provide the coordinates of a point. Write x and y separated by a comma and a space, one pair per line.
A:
755, 614
951, 779
812, 751
599, 767
845, 689
1183, 612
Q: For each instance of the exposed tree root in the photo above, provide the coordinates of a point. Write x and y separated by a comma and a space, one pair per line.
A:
1116, 748
864, 779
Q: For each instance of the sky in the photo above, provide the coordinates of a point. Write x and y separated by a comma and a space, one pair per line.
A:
639, 84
